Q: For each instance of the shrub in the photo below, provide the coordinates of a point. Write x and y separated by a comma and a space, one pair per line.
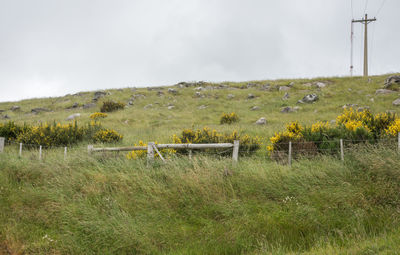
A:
229, 118
107, 136
98, 115
166, 153
353, 126
52, 135
10, 130
57, 134
111, 106
248, 144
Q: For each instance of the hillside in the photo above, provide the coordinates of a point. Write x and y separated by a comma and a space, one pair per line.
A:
157, 122
107, 204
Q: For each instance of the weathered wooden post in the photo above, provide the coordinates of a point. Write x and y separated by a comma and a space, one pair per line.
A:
65, 153
398, 142
150, 152
235, 154
190, 154
290, 154
20, 149
90, 149
40, 152
2, 140
341, 150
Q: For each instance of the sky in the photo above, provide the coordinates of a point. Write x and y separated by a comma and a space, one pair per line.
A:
56, 47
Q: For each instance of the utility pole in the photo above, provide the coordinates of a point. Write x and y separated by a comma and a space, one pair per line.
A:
365, 21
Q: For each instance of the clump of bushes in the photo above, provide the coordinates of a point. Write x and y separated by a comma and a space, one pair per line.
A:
57, 134
352, 126
111, 106
107, 136
229, 118
98, 115
248, 144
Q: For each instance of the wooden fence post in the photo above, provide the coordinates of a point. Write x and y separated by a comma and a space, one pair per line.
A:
341, 150
90, 149
398, 142
40, 152
150, 152
20, 149
65, 153
235, 154
2, 139
290, 154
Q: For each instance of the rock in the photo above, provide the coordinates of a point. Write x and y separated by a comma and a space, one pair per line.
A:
310, 98
199, 89
346, 106
265, 87
148, 106
261, 121
289, 109
39, 110
89, 105
230, 96
201, 107
6, 117
361, 109
320, 85
251, 85
286, 96
198, 94
130, 102
170, 107
160, 93
73, 116
291, 84
73, 106
255, 108
284, 88
372, 100
396, 102
2, 111
15, 108
172, 91
384, 91
308, 84
98, 95
392, 82
250, 96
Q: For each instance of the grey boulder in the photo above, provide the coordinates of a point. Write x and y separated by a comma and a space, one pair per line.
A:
261, 121
396, 102
310, 98
73, 116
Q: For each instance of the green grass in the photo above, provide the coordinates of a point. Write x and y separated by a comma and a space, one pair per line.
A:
105, 204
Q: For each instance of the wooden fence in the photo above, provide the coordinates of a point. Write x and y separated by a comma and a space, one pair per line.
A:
153, 148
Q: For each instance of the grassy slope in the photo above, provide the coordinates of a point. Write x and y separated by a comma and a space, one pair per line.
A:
87, 205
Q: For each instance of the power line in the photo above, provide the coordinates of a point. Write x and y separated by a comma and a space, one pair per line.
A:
380, 8
366, 5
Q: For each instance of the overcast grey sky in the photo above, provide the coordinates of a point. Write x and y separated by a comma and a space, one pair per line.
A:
55, 47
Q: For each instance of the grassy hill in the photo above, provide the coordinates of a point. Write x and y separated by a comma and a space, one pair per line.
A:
106, 204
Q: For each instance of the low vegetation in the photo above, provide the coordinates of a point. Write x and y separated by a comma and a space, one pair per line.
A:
106, 203
111, 106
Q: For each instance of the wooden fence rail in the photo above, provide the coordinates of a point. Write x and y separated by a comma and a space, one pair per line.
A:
152, 148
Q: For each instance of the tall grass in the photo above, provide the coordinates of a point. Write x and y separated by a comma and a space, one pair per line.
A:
98, 205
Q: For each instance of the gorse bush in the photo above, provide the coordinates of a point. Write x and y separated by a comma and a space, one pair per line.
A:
107, 136
98, 115
353, 126
10, 130
229, 118
57, 134
248, 144
111, 106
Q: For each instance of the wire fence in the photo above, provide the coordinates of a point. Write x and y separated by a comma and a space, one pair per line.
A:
283, 152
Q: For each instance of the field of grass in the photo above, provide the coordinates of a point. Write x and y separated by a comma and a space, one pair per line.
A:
105, 204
